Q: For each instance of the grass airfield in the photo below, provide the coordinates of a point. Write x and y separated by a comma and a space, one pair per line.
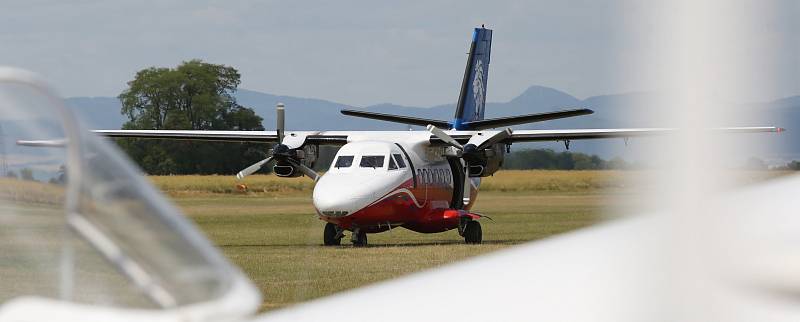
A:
271, 230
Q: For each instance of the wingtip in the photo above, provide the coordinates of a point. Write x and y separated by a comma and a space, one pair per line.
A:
779, 129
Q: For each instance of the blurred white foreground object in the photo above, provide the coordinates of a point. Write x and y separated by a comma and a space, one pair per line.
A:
613, 272
84, 238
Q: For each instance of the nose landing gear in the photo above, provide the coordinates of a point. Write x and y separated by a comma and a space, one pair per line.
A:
332, 235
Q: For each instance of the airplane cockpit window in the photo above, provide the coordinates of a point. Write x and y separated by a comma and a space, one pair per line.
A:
344, 161
372, 161
399, 159
392, 164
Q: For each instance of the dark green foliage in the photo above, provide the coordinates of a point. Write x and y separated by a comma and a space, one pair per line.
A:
26, 174
551, 160
193, 96
793, 166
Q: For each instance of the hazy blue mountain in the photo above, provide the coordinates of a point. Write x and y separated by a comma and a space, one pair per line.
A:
98, 112
621, 110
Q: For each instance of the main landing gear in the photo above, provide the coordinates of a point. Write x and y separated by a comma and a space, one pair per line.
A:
471, 231
359, 238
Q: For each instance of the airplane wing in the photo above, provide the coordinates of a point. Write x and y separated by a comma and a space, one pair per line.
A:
584, 134
314, 137
342, 137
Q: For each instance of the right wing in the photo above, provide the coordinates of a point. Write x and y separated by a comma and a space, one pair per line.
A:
314, 137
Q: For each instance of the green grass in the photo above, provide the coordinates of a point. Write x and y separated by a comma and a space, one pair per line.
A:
277, 242
274, 235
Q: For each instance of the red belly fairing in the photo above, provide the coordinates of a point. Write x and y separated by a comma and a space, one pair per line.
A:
422, 209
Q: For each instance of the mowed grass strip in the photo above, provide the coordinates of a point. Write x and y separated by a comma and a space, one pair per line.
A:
272, 231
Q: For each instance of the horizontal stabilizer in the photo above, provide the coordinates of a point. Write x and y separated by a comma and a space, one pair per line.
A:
523, 119
397, 118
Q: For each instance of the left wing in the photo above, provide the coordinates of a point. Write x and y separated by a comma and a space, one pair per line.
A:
584, 134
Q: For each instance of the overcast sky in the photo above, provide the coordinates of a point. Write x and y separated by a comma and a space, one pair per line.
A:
357, 52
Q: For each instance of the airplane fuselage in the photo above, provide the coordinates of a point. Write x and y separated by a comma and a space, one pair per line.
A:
392, 181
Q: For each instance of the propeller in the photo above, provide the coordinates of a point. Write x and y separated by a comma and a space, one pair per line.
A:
470, 153
252, 169
283, 151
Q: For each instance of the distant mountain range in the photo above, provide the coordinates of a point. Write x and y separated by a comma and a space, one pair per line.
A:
620, 110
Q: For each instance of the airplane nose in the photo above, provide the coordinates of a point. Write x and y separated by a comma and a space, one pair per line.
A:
341, 195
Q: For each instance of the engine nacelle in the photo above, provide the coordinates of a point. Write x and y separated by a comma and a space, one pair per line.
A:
307, 155
491, 161
286, 170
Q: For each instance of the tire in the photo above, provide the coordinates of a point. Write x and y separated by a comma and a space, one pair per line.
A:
361, 240
473, 233
329, 236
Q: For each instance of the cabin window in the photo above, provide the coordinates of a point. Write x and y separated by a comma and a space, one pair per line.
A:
392, 165
344, 161
372, 161
399, 159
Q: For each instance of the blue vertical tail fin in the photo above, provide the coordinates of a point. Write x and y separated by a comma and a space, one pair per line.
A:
472, 99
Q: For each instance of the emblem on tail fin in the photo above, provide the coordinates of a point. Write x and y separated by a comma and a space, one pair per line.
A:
478, 90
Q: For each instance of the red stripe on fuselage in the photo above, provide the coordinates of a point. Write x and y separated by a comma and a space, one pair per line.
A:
430, 212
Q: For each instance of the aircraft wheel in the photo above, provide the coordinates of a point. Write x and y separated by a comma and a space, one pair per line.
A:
360, 240
473, 233
329, 236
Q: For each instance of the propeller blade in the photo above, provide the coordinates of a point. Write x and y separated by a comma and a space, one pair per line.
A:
304, 169
252, 169
281, 118
467, 185
444, 137
497, 138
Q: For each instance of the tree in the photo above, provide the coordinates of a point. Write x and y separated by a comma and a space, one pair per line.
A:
26, 174
193, 96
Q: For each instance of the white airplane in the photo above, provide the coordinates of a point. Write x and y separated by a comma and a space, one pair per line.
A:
425, 181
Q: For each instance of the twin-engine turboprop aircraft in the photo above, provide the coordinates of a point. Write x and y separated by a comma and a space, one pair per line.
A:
425, 181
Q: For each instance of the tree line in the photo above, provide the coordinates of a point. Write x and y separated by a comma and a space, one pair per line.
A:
548, 159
